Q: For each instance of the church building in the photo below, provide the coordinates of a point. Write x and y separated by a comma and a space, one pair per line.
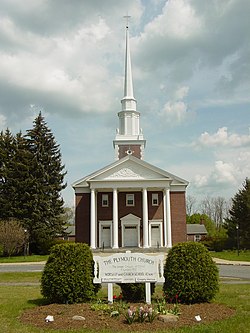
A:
130, 203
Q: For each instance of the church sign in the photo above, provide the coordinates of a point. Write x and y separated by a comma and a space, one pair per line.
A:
129, 268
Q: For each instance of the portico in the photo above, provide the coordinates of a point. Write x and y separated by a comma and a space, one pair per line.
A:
164, 224
130, 196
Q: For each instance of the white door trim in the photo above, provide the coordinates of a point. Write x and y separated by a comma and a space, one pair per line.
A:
130, 220
155, 223
101, 225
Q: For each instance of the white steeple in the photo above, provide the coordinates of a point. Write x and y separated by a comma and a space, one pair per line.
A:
128, 101
129, 137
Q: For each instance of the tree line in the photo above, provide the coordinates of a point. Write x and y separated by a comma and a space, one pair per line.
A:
31, 181
227, 221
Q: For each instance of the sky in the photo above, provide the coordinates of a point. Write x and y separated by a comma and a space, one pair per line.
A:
191, 77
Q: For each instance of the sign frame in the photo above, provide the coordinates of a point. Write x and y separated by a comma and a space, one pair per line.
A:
129, 268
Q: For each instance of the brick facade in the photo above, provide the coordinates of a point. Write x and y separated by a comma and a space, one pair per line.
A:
178, 217
178, 213
82, 217
135, 149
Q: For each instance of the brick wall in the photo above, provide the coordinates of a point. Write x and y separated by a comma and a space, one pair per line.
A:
136, 149
178, 217
82, 217
178, 213
155, 212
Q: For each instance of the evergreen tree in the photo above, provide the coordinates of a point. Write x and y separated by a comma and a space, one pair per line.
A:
47, 182
22, 178
240, 217
31, 181
14, 177
7, 185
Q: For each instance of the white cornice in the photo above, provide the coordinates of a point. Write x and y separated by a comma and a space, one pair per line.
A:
131, 172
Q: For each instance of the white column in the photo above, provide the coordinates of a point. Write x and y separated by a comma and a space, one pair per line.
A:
145, 217
93, 219
168, 218
115, 219
165, 218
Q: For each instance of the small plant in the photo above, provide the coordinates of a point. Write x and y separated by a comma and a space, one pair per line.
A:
167, 305
175, 309
140, 314
162, 306
117, 298
113, 310
130, 315
151, 313
104, 307
115, 313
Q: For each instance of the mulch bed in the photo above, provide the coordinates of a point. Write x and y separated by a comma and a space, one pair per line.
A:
96, 320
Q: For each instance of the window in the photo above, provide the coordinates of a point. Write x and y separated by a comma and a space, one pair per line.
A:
197, 238
130, 200
155, 199
105, 200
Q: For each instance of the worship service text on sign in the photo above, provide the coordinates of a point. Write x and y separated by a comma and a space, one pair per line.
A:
128, 268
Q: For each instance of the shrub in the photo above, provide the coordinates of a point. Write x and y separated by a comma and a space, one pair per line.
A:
216, 244
134, 292
68, 274
12, 237
190, 273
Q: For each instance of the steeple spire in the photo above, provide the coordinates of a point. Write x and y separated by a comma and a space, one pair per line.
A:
129, 138
128, 101
128, 82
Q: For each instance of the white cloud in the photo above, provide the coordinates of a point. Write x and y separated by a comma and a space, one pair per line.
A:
223, 175
223, 138
178, 19
200, 181
225, 172
74, 71
181, 92
175, 112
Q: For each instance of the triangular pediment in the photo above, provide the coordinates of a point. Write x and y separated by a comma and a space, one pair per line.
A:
130, 217
129, 168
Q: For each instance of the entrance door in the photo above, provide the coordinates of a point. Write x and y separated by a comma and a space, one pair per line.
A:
130, 236
130, 230
155, 235
105, 236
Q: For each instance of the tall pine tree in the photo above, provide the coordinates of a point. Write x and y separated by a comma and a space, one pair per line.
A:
240, 217
7, 183
22, 178
47, 182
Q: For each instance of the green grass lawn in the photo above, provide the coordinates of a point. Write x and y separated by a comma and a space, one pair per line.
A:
22, 277
228, 255
17, 259
233, 255
15, 299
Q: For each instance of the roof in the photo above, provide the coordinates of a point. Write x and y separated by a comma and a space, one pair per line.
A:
193, 229
129, 168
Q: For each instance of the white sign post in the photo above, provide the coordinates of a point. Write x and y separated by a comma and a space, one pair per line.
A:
129, 268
